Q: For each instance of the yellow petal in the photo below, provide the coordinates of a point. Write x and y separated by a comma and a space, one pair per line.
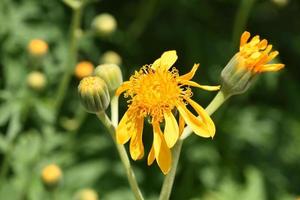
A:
204, 87
204, 116
190, 75
181, 125
166, 60
125, 86
244, 38
171, 131
162, 152
271, 67
124, 129
151, 156
136, 143
196, 124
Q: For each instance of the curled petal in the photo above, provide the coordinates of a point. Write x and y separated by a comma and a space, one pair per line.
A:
171, 131
244, 38
166, 60
204, 87
190, 75
136, 143
125, 86
125, 129
151, 156
161, 150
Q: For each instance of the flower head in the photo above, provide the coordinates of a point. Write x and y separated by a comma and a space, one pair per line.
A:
83, 69
156, 91
51, 175
253, 58
36, 80
37, 47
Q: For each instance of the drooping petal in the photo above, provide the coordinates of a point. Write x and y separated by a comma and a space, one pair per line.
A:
136, 143
125, 86
162, 152
125, 129
171, 132
204, 87
189, 75
166, 60
204, 116
151, 156
196, 124
181, 125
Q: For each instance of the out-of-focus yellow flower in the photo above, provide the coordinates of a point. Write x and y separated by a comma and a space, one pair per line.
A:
253, 58
104, 24
86, 194
37, 47
83, 69
111, 57
36, 80
156, 91
51, 175
93, 93
281, 2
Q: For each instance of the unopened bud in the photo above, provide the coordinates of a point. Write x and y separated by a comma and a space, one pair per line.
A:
94, 94
86, 194
37, 47
83, 69
104, 24
36, 80
111, 74
111, 57
51, 176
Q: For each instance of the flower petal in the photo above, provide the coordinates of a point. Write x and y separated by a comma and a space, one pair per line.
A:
244, 38
136, 143
181, 124
125, 86
196, 124
204, 116
204, 87
162, 152
171, 132
151, 156
190, 75
271, 67
166, 60
125, 129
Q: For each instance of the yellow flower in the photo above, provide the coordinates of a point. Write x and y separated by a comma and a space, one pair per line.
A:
37, 47
84, 69
51, 174
156, 91
256, 54
253, 58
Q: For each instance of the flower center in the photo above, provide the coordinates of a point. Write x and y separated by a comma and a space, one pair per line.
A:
154, 92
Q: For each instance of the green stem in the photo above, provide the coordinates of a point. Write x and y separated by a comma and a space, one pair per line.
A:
71, 59
166, 190
123, 155
241, 19
114, 105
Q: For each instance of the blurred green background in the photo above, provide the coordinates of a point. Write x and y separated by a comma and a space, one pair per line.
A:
255, 154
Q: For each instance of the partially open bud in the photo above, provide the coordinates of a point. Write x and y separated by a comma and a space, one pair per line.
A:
111, 74
86, 194
104, 24
37, 47
51, 176
111, 57
83, 69
251, 60
36, 80
94, 94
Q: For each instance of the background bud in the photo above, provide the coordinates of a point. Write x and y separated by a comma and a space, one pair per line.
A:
83, 69
111, 74
94, 94
36, 80
111, 57
86, 194
37, 47
104, 24
51, 176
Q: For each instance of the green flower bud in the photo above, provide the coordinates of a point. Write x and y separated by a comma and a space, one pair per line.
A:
94, 94
111, 74
104, 24
36, 80
86, 194
111, 57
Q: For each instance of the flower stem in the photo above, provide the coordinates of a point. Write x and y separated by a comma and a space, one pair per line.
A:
114, 105
71, 59
123, 155
166, 190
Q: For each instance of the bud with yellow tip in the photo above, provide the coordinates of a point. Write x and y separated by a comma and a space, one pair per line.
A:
36, 80
111, 57
51, 175
37, 47
104, 24
111, 74
83, 69
94, 94
86, 194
